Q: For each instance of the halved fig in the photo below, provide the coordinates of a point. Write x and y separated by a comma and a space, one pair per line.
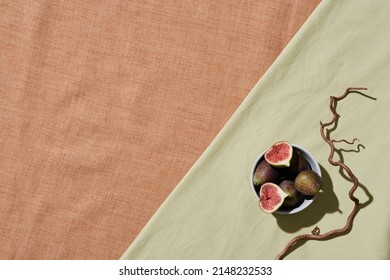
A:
271, 197
279, 155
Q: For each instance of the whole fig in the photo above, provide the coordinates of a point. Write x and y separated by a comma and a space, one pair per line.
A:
298, 163
293, 195
265, 173
308, 182
303, 163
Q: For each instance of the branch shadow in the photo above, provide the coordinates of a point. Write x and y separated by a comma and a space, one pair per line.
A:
370, 197
335, 125
340, 152
363, 94
328, 204
328, 201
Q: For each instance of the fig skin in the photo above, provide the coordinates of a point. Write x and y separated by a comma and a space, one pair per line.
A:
303, 163
298, 164
265, 173
289, 173
308, 182
293, 195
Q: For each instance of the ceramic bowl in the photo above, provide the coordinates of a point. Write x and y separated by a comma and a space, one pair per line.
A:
307, 199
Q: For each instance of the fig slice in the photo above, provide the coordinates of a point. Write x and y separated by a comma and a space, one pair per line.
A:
279, 155
271, 197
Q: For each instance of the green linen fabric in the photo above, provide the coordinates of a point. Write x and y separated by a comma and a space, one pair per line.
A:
212, 213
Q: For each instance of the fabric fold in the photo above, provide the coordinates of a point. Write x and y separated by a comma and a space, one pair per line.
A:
212, 213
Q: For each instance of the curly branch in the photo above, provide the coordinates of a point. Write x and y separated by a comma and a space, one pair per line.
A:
315, 235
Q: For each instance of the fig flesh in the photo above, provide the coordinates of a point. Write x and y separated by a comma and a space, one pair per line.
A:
279, 154
265, 173
293, 195
271, 197
308, 182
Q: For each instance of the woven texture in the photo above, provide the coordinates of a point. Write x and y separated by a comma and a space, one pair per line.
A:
213, 213
106, 105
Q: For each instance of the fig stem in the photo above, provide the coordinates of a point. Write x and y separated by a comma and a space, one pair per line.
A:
315, 235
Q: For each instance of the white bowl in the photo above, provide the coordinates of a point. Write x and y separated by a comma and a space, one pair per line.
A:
308, 199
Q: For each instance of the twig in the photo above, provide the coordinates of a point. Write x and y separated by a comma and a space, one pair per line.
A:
315, 235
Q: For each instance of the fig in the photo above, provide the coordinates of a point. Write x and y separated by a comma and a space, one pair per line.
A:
303, 164
265, 173
293, 195
289, 173
308, 182
271, 197
297, 164
279, 154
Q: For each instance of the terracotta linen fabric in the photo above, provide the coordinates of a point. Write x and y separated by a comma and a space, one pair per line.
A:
105, 105
219, 215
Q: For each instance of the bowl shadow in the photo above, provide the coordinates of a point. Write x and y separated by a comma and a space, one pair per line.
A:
325, 202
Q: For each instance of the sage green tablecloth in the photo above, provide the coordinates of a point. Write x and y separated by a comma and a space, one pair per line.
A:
212, 213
